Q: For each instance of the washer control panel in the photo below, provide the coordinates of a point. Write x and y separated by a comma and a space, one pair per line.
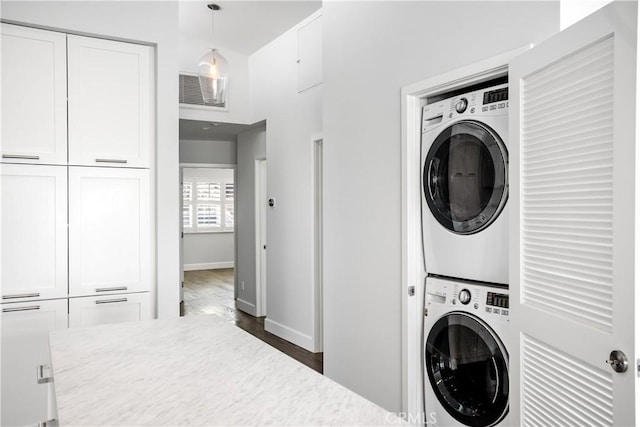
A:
467, 296
492, 101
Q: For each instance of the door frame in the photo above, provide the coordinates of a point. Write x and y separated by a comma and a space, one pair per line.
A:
260, 223
318, 206
413, 98
181, 167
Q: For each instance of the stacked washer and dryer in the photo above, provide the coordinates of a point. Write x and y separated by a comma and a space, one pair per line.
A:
465, 243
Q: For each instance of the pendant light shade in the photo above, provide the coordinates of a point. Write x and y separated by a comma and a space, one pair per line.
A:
213, 76
212, 71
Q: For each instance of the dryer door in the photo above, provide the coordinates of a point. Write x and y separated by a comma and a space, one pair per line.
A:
464, 177
467, 366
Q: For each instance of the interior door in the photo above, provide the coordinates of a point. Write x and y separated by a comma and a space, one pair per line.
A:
573, 233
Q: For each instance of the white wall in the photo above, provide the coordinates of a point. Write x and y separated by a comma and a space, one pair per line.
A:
251, 147
212, 152
371, 50
205, 251
571, 11
146, 22
292, 118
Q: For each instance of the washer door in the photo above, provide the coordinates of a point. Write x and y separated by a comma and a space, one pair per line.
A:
467, 366
464, 177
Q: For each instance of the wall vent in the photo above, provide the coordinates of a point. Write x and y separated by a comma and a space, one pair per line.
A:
189, 88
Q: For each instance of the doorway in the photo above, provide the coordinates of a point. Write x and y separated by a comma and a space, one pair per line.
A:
208, 238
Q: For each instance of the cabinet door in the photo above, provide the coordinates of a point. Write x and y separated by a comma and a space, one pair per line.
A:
25, 345
109, 230
110, 115
34, 95
92, 311
34, 231
574, 239
310, 55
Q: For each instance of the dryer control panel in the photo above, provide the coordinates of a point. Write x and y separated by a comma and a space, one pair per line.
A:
492, 101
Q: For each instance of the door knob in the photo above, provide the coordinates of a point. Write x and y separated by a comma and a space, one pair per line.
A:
618, 361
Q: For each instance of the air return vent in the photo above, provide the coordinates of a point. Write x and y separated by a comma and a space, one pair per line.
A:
190, 91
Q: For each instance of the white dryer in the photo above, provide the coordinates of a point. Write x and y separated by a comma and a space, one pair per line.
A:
465, 185
465, 363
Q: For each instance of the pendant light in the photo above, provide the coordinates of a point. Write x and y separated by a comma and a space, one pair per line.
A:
212, 71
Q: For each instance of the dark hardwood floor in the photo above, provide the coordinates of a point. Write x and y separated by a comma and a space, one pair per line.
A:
211, 292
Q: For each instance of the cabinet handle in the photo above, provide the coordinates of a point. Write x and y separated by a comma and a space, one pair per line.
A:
109, 301
15, 296
18, 156
110, 161
48, 423
11, 310
117, 288
40, 375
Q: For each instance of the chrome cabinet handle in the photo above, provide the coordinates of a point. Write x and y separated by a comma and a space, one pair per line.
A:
41, 378
117, 288
28, 308
110, 161
15, 296
19, 156
109, 301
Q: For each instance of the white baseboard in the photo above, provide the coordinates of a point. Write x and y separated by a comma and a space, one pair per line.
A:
209, 265
291, 335
245, 306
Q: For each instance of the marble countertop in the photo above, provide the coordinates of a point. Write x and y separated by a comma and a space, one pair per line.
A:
198, 370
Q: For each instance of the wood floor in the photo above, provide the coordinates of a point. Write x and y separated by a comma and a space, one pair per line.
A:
211, 292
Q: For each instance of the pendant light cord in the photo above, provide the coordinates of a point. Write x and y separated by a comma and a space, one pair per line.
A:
213, 29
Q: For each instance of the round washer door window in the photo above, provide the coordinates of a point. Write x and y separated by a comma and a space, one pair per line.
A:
464, 177
467, 366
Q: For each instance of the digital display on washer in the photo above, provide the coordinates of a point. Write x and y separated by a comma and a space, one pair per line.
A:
496, 96
497, 300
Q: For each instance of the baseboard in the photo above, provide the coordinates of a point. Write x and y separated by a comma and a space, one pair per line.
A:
247, 307
291, 335
209, 265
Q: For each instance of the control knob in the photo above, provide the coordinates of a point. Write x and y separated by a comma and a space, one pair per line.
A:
461, 105
464, 296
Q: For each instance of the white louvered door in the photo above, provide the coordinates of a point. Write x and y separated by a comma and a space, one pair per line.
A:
573, 232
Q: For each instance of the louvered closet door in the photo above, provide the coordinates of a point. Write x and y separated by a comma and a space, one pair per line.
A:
573, 190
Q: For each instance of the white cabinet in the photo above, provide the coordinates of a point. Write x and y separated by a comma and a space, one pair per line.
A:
25, 346
110, 102
310, 55
109, 230
92, 311
34, 231
34, 95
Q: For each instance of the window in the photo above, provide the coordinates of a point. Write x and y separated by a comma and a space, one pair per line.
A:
208, 200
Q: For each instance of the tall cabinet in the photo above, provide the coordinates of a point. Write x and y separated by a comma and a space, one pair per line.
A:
77, 140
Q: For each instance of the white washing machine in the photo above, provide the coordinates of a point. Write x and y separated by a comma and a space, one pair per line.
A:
465, 186
465, 363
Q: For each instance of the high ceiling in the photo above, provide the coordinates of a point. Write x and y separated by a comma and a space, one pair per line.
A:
243, 26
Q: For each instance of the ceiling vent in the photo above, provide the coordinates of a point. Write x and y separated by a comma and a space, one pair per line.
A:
190, 92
